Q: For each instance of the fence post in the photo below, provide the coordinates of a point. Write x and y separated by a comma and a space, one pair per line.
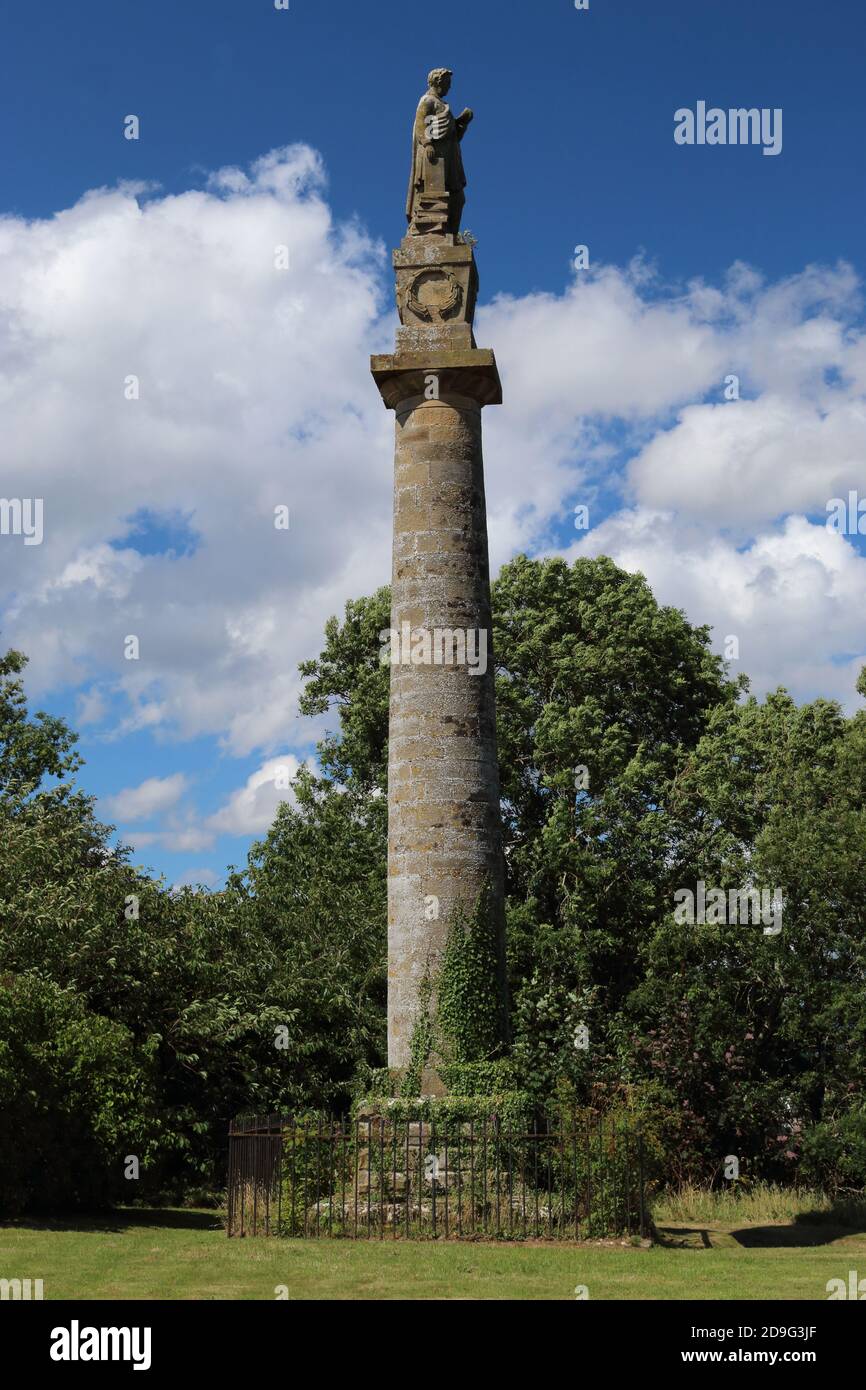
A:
255, 1177
641, 1184
381, 1123
279, 1121
356, 1130
433, 1179
574, 1166
230, 1216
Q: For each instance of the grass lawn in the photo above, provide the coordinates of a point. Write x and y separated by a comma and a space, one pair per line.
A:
186, 1255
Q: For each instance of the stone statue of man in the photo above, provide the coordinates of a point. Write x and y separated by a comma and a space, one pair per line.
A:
437, 180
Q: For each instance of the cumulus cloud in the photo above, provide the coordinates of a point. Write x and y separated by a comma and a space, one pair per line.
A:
150, 797
620, 349
179, 837
619, 384
247, 811
91, 707
251, 809
193, 878
253, 391
791, 599
759, 459
156, 363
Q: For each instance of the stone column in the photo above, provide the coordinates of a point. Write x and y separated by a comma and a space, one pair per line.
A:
444, 834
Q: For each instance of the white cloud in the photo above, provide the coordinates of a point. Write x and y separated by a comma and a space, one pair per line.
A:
180, 837
255, 391
792, 597
193, 877
620, 347
749, 461
154, 795
251, 809
713, 491
91, 707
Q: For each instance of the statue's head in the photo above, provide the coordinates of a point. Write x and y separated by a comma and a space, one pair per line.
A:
440, 80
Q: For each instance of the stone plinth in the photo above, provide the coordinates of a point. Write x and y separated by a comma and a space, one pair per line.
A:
436, 287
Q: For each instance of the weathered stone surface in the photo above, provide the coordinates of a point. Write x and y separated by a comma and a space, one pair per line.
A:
444, 834
469, 375
436, 288
444, 828
436, 181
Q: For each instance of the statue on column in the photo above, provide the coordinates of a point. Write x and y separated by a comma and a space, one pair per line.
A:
436, 197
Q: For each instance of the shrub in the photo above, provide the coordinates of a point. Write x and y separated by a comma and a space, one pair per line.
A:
73, 1097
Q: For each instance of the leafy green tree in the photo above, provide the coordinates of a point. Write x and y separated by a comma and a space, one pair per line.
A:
350, 678
601, 696
313, 897
761, 1035
76, 1100
31, 749
199, 987
631, 767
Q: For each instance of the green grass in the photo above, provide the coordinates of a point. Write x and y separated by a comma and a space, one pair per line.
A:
186, 1255
766, 1202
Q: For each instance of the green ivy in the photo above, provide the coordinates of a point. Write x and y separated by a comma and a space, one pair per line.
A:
423, 1040
512, 1110
479, 1078
469, 992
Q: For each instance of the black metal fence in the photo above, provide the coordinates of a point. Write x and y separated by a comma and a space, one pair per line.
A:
569, 1178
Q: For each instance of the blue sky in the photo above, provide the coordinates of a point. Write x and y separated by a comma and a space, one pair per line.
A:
572, 140
572, 143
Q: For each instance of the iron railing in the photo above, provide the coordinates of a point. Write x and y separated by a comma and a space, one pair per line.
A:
570, 1177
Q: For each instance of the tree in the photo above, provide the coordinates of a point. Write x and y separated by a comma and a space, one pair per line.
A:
191, 990
762, 1035
30, 749
313, 896
630, 768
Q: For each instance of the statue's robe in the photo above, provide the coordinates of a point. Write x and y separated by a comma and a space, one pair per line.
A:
445, 175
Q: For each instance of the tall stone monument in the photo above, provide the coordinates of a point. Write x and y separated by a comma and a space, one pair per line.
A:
444, 834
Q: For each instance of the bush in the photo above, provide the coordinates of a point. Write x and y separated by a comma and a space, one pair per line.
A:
833, 1155
74, 1099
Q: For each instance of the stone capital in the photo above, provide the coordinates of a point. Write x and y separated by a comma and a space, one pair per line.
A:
468, 372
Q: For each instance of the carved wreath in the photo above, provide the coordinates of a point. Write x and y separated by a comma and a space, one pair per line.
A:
435, 313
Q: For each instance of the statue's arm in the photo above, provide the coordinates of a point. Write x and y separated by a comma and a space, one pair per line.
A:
462, 122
